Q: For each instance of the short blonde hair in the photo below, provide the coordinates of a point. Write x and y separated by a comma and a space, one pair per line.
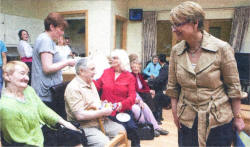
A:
9, 68
133, 57
188, 11
123, 57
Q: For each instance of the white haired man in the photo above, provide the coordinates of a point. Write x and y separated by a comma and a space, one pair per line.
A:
80, 95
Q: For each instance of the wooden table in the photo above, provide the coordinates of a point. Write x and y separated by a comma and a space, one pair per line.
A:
68, 75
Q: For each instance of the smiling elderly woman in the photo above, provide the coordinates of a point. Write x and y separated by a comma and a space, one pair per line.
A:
118, 86
21, 110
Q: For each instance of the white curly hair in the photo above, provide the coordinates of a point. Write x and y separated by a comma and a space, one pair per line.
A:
123, 57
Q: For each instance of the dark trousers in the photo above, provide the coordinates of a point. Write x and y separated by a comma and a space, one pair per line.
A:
160, 100
130, 127
29, 64
219, 136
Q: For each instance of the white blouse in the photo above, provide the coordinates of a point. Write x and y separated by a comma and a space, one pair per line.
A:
24, 49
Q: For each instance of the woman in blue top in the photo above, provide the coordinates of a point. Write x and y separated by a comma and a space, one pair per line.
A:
153, 68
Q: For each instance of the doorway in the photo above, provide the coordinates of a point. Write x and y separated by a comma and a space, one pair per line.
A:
120, 32
77, 31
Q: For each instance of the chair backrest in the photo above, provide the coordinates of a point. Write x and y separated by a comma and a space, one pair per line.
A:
58, 98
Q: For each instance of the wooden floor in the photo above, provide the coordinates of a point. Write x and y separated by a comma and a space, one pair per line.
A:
169, 140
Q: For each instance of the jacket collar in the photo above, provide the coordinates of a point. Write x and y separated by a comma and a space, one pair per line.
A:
206, 58
206, 44
82, 82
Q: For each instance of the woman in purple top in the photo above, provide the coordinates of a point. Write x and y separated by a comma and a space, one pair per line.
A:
140, 106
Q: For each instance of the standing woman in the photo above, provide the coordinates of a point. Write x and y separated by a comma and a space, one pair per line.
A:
47, 64
117, 85
25, 50
203, 82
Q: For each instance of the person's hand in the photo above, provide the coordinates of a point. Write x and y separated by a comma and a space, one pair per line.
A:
238, 124
152, 77
107, 111
141, 104
152, 92
70, 126
119, 107
71, 62
176, 121
137, 101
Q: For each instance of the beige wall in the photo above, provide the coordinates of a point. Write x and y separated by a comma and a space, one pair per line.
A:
120, 8
101, 18
12, 25
24, 8
134, 38
215, 9
16, 15
159, 5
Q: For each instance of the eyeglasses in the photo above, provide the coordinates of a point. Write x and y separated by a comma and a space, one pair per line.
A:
176, 25
115, 58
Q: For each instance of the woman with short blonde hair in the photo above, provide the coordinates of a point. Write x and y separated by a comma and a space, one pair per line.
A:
203, 82
21, 111
191, 12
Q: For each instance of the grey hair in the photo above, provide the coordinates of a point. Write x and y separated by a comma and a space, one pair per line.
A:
81, 64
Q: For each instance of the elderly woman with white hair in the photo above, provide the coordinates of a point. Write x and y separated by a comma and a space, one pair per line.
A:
117, 85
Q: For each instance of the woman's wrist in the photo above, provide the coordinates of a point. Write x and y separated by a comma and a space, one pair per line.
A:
237, 116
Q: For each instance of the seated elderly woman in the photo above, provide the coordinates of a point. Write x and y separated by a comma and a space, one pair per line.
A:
142, 89
117, 85
141, 85
21, 110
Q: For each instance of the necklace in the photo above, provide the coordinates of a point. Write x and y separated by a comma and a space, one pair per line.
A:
193, 52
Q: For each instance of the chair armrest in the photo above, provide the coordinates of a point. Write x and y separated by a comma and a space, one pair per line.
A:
99, 119
120, 139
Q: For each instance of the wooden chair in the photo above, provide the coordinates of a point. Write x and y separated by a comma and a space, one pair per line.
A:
120, 140
245, 113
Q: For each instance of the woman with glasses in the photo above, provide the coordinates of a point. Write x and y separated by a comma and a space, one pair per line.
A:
117, 86
47, 63
203, 82
22, 113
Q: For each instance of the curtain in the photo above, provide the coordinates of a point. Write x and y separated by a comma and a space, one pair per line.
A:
149, 36
239, 27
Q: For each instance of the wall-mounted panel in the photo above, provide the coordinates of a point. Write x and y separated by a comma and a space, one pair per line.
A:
12, 24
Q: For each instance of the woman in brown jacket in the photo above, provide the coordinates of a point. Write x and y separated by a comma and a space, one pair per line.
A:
203, 82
